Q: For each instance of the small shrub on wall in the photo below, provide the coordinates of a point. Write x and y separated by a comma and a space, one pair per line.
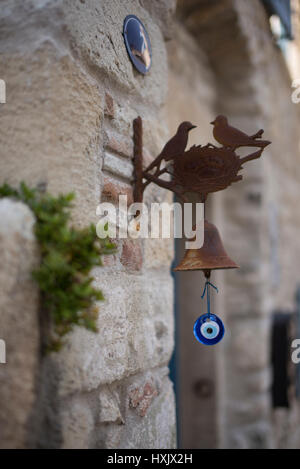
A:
68, 255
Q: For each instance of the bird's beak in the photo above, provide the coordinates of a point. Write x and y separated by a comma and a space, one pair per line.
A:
213, 122
193, 127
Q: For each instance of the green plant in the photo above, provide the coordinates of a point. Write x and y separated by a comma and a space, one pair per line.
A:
67, 256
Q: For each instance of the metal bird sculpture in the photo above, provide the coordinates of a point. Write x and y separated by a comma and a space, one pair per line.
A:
200, 169
175, 146
232, 138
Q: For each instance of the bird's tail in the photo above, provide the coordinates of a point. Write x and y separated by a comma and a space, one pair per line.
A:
256, 143
261, 143
154, 163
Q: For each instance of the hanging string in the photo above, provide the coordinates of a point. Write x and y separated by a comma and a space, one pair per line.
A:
206, 290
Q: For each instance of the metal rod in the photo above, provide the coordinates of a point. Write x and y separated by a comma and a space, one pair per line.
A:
138, 158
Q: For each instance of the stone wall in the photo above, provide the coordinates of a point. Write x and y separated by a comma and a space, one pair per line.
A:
72, 94
67, 126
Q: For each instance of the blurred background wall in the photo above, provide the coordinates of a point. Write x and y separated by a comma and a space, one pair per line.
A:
67, 126
225, 59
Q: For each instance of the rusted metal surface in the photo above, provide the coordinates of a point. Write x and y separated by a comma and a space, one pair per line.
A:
211, 256
138, 159
175, 147
233, 138
201, 169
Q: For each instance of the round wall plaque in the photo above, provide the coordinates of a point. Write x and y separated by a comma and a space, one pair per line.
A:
137, 43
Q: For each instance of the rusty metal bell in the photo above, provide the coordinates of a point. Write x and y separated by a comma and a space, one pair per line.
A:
211, 256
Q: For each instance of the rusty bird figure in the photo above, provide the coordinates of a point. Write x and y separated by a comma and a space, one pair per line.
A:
232, 138
175, 146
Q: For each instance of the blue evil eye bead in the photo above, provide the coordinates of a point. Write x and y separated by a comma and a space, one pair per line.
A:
209, 329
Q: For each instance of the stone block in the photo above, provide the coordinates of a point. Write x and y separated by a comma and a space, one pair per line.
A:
77, 424
56, 112
110, 408
153, 425
117, 166
19, 322
95, 30
118, 143
72, 96
135, 333
159, 253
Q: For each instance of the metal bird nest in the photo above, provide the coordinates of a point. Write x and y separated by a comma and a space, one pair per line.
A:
201, 169
206, 169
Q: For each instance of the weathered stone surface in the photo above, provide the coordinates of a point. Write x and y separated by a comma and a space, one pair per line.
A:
134, 412
132, 255
129, 338
158, 253
72, 94
118, 166
57, 114
96, 33
163, 13
118, 143
110, 411
157, 424
121, 425
109, 106
19, 324
77, 421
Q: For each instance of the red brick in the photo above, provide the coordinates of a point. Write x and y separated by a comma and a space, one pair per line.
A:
108, 260
141, 398
112, 189
119, 144
132, 256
